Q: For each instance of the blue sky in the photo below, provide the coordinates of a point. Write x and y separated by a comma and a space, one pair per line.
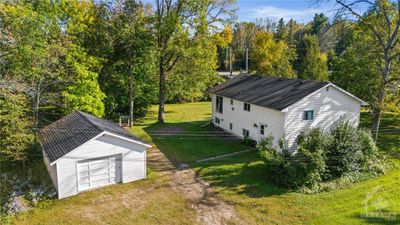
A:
300, 10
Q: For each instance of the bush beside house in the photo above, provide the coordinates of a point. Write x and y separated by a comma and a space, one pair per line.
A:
322, 159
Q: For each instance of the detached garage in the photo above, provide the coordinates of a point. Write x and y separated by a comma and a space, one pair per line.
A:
82, 152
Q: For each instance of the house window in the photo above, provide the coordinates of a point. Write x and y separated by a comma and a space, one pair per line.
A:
219, 104
231, 101
308, 115
262, 129
246, 133
217, 120
246, 107
230, 126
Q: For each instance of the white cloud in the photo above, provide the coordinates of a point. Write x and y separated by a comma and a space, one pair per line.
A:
304, 14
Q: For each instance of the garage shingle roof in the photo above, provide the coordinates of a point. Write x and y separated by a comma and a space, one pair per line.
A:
75, 129
271, 92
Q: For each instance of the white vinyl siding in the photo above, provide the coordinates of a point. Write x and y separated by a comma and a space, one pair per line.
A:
133, 165
52, 170
328, 106
235, 114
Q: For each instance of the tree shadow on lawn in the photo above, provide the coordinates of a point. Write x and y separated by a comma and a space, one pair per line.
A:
245, 178
383, 217
238, 174
187, 142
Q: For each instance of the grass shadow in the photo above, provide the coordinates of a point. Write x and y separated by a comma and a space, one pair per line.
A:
185, 142
240, 174
384, 217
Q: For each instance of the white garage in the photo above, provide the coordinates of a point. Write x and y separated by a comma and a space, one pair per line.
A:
82, 152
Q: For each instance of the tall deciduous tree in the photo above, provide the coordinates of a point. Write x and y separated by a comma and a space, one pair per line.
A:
272, 58
38, 47
175, 21
15, 125
380, 26
313, 63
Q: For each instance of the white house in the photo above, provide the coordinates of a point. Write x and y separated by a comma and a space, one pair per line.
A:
83, 152
257, 107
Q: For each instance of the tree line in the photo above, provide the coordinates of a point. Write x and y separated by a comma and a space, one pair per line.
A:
119, 57
108, 58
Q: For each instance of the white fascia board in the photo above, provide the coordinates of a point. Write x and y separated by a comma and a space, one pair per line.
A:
363, 103
128, 139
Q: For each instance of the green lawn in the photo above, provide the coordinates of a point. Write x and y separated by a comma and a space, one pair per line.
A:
150, 201
240, 179
190, 137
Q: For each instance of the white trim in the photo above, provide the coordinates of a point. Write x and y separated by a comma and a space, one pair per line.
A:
80, 146
128, 139
101, 134
363, 103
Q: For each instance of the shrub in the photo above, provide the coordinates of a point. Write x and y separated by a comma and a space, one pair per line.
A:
294, 170
343, 150
309, 161
322, 160
250, 142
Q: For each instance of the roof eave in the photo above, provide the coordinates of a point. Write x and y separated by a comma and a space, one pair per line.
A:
128, 139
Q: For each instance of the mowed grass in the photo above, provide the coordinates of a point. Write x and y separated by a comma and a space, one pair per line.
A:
240, 179
185, 136
150, 201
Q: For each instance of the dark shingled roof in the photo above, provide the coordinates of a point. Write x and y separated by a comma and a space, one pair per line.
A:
73, 130
271, 92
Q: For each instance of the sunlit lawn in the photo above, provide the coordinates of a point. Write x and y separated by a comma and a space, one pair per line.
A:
240, 179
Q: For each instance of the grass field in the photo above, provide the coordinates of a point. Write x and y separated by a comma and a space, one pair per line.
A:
240, 179
150, 201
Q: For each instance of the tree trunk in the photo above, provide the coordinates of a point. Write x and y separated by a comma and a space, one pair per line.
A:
377, 112
36, 105
131, 104
161, 99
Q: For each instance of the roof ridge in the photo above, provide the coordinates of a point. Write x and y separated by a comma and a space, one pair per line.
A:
88, 120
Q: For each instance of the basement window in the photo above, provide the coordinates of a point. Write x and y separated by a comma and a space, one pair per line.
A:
230, 126
217, 120
246, 107
231, 101
308, 115
246, 133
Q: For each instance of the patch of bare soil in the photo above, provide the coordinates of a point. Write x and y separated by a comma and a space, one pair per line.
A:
211, 210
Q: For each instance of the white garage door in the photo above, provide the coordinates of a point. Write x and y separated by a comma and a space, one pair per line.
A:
99, 172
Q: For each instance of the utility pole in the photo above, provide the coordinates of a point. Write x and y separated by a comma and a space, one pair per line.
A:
230, 61
226, 58
247, 60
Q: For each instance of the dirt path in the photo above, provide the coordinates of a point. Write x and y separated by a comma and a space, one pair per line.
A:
210, 209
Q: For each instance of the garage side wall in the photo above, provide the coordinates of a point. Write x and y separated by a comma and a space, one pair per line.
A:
52, 170
133, 161
329, 104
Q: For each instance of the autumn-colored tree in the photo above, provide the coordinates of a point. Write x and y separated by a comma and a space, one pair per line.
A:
272, 58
